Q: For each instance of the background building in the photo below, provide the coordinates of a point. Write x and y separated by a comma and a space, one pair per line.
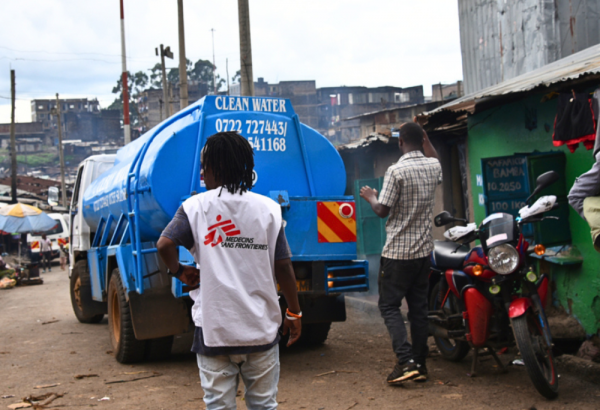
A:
41, 110
325, 109
501, 40
151, 108
447, 92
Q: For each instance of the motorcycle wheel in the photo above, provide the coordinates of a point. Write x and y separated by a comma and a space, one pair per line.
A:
450, 349
536, 354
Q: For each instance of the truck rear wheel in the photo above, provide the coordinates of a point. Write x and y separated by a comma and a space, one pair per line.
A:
126, 347
84, 307
315, 333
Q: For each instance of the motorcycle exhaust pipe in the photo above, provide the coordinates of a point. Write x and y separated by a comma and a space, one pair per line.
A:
438, 331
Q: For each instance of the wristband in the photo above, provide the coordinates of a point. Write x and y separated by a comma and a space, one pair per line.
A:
177, 274
290, 318
289, 314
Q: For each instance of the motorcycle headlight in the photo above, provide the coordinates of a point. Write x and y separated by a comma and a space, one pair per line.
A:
503, 259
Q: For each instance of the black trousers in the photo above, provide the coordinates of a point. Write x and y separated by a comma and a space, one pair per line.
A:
399, 279
46, 258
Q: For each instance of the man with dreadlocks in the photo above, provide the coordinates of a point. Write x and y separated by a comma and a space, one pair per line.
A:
238, 242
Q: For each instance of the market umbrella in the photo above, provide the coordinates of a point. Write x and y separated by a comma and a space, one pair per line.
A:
23, 218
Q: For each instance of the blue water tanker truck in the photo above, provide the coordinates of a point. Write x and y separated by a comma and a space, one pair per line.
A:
121, 203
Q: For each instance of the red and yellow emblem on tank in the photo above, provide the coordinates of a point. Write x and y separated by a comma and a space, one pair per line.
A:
336, 221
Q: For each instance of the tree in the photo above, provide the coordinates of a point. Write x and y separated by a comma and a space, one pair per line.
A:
237, 77
173, 73
136, 83
199, 73
202, 73
156, 76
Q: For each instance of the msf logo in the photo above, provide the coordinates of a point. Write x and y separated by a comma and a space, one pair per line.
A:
218, 232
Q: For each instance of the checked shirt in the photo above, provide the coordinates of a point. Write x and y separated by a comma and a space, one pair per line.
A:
409, 190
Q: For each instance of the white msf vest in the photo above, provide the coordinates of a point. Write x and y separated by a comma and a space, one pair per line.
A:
235, 237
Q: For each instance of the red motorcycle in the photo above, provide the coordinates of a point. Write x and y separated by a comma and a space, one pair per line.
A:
479, 294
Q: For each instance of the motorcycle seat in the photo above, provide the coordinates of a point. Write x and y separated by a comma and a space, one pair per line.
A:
449, 255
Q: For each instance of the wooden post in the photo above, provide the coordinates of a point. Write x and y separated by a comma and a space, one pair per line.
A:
247, 79
124, 83
63, 190
183, 88
164, 81
13, 141
227, 73
214, 67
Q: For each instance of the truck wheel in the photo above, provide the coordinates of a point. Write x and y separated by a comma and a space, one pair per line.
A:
315, 333
85, 308
158, 349
126, 347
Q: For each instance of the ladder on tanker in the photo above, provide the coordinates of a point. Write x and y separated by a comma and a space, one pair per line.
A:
133, 190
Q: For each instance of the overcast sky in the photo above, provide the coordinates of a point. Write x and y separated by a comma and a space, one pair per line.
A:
73, 47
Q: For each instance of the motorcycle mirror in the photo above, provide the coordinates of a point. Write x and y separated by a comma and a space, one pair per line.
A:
543, 181
443, 218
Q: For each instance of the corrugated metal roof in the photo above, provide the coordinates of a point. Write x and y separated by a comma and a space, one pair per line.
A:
364, 142
420, 106
584, 63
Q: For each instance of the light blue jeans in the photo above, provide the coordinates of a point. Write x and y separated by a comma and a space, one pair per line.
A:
220, 375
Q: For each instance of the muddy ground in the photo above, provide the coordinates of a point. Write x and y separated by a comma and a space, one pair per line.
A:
42, 343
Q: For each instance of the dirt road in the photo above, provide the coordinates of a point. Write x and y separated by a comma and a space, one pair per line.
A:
42, 343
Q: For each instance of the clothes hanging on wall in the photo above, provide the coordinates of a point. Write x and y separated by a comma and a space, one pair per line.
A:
575, 121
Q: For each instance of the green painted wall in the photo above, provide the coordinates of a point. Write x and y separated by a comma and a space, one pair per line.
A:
501, 131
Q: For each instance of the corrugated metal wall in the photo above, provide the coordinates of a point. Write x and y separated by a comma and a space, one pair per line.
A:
501, 39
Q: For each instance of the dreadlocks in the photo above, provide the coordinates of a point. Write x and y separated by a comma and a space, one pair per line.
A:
231, 159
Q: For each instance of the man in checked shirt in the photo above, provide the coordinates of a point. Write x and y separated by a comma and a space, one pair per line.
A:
407, 197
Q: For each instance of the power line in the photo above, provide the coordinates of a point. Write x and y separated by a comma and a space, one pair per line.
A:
58, 61
71, 53
8, 98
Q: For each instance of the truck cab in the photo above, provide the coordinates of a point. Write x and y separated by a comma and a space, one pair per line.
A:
79, 230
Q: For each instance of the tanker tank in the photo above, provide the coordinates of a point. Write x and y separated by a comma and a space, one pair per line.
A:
289, 156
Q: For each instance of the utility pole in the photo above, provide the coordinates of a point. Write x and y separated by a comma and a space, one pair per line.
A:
164, 52
247, 79
63, 191
124, 84
13, 140
227, 73
171, 111
183, 90
214, 65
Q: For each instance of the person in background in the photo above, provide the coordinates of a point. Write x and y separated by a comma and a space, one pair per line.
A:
407, 197
238, 242
584, 197
46, 251
63, 256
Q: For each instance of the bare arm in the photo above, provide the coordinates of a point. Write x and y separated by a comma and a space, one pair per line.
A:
428, 149
370, 195
284, 273
167, 249
168, 253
